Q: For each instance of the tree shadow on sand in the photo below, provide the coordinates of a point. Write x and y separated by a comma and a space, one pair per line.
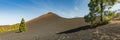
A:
86, 27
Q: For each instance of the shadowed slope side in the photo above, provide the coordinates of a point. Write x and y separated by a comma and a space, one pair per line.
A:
86, 27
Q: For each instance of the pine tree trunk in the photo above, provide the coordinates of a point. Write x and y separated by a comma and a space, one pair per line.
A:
101, 13
101, 17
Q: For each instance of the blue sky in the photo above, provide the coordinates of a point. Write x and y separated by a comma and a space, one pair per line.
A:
11, 11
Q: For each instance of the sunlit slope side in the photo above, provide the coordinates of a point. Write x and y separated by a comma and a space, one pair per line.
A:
55, 22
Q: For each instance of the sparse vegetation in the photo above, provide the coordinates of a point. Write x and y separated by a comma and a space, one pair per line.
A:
21, 27
50, 26
100, 12
11, 28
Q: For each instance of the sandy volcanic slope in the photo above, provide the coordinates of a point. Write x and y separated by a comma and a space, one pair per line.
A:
53, 27
44, 26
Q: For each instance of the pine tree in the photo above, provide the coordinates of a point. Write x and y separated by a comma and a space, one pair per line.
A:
97, 10
22, 26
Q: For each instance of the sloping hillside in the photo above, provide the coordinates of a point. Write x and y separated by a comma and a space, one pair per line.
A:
53, 27
45, 25
54, 22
